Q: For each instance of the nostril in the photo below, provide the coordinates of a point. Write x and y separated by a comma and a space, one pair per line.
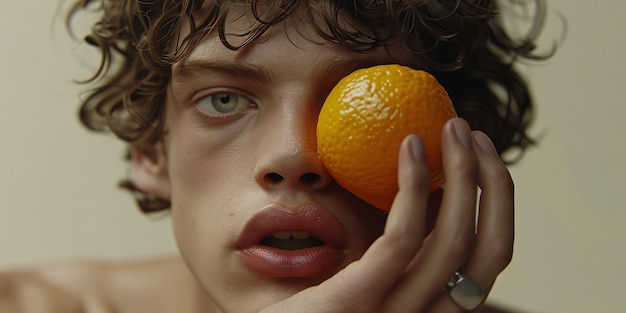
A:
310, 178
307, 178
274, 177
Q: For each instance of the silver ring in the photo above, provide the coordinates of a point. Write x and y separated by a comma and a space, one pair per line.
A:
465, 292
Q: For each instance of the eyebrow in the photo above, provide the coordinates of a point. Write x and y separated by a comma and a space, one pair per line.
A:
199, 68
329, 71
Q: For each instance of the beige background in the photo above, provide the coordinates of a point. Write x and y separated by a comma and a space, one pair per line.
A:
58, 201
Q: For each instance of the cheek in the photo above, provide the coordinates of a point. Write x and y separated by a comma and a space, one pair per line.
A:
204, 165
209, 178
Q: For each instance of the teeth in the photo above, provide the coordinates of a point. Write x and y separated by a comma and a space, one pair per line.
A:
300, 235
282, 235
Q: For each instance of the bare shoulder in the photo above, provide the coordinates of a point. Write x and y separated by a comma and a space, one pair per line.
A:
157, 285
32, 290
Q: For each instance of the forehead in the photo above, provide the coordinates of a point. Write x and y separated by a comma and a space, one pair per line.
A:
240, 26
359, 25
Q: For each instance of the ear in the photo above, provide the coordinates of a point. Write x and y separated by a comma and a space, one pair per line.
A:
149, 170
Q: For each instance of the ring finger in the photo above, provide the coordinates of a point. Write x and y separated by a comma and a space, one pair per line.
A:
495, 232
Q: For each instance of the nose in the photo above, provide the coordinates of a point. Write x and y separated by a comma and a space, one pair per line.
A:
288, 155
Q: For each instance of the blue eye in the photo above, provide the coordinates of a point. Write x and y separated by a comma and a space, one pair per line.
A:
223, 103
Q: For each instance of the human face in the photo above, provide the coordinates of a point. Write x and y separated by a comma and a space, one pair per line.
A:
244, 172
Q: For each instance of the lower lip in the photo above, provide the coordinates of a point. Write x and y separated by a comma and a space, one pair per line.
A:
307, 262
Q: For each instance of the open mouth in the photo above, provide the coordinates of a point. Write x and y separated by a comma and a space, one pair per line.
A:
291, 240
303, 241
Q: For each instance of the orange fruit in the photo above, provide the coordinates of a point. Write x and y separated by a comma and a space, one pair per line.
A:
364, 120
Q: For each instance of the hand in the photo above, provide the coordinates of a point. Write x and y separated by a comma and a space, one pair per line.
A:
407, 268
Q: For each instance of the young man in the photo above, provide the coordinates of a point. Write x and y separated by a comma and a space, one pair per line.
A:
219, 101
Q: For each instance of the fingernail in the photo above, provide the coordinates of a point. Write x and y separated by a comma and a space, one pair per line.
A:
462, 132
485, 144
416, 147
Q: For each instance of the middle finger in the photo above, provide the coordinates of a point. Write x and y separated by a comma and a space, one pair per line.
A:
450, 242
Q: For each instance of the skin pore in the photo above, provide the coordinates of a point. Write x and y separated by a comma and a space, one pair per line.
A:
257, 156
260, 224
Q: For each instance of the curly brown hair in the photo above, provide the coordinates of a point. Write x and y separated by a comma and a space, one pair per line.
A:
461, 42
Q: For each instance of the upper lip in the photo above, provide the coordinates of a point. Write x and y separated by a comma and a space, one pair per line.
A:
308, 218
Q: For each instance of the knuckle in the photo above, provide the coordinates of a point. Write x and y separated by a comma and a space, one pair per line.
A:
507, 182
500, 175
462, 247
457, 246
416, 178
503, 176
502, 255
403, 246
464, 167
505, 185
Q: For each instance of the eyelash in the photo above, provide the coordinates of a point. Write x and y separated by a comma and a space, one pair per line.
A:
217, 115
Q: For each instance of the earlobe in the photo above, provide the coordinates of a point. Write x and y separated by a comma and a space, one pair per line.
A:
149, 171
